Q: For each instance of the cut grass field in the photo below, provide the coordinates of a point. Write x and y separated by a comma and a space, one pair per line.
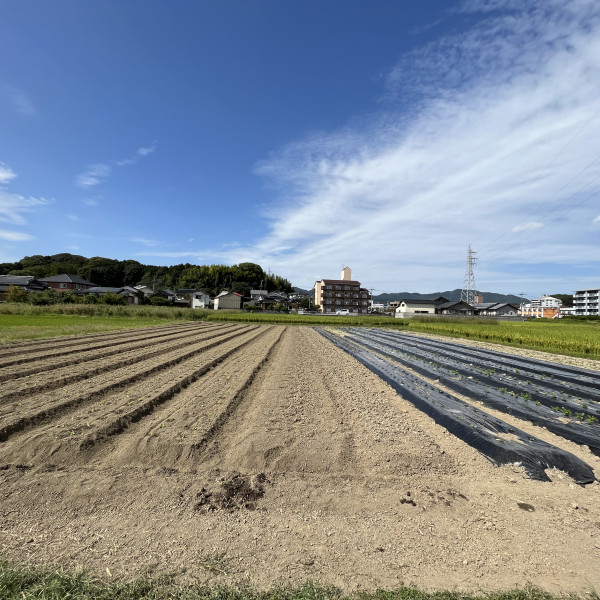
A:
569, 337
33, 583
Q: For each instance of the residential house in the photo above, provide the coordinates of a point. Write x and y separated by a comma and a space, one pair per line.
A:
342, 294
409, 308
456, 308
65, 282
269, 300
183, 297
496, 309
227, 300
27, 283
200, 299
585, 302
131, 294
256, 294
145, 290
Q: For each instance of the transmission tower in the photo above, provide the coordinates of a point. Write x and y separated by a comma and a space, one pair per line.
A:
468, 291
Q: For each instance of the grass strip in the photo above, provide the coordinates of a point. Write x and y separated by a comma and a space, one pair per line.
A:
560, 336
34, 583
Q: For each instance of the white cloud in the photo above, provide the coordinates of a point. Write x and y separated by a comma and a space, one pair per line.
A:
13, 206
501, 128
6, 174
145, 241
596, 221
14, 236
140, 152
91, 202
529, 226
20, 100
73, 218
98, 173
147, 150
94, 175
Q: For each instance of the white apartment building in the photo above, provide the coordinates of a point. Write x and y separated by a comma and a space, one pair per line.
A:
585, 302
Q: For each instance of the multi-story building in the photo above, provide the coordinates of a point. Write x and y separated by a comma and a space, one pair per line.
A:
333, 295
545, 307
585, 302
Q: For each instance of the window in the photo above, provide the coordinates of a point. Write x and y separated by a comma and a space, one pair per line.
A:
62, 285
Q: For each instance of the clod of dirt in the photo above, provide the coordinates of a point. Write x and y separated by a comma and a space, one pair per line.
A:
235, 493
408, 501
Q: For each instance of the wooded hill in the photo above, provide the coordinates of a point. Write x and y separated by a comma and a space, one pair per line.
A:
116, 273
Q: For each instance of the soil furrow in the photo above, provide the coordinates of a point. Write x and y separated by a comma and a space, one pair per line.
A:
35, 416
51, 353
53, 379
32, 346
158, 344
167, 436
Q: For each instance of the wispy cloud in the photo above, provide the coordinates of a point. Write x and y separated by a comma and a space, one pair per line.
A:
94, 175
98, 173
6, 174
140, 153
20, 101
529, 226
14, 206
596, 221
14, 236
503, 120
145, 241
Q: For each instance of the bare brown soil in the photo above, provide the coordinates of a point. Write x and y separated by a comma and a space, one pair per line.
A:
256, 454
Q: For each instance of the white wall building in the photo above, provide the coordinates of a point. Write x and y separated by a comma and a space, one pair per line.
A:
545, 306
585, 302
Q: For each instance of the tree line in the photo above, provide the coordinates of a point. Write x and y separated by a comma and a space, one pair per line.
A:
117, 273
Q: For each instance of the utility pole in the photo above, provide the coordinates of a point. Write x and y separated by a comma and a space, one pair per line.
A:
468, 291
522, 306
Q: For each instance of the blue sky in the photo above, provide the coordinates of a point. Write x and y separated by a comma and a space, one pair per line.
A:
307, 136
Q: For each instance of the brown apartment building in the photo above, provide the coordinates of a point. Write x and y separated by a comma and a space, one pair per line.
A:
334, 295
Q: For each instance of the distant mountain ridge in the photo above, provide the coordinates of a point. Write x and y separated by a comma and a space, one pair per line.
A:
452, 296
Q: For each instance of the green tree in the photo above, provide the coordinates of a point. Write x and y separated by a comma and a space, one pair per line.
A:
113, 299
102, 271
133, 271
15, 294
240, 287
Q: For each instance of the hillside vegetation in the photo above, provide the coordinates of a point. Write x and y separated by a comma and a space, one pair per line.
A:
109, 272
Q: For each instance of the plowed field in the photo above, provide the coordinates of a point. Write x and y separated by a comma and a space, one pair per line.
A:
247, 453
